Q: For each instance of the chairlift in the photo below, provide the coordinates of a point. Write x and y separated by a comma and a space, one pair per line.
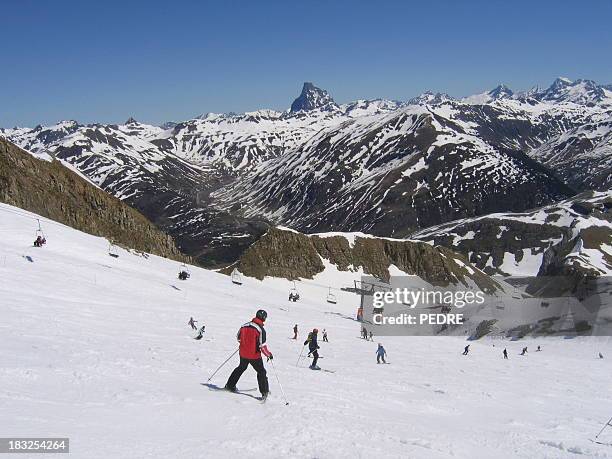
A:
112, 250
331, 298
184, 273
294, 295
236, 277
39, 238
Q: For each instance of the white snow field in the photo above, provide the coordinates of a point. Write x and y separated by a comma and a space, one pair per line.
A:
98, 349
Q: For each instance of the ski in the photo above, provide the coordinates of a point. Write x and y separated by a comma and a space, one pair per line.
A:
244, 392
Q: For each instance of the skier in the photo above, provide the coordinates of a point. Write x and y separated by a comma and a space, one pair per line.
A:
466, 350
252, 338
524, 351
364, 333
505, 353
600, 355
371, 336
380, 354
539, 349
201, 332
295, 331
38, 242
325, 336
192, 323
312, 347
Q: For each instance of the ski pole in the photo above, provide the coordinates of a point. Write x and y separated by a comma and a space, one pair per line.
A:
279, 383
603, 428
221, 366
300, 357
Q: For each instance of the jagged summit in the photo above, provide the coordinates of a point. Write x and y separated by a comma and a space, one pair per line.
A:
131, 120
312, 98
429, 97
501, 92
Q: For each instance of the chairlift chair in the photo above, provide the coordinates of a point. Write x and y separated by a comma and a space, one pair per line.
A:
112, 250
184, 273
39, 238
236, 278
294, 295
331, 298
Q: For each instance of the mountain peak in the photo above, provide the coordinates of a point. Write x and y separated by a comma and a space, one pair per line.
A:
312, 98
430, 98
131, 120
501, 92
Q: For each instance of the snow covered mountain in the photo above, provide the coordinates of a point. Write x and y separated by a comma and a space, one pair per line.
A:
214, 182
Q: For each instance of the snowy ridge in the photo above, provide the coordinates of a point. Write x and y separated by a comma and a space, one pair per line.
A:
376, 166
514, 243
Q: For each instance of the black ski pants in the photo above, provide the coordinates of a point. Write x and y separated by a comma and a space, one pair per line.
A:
258, 366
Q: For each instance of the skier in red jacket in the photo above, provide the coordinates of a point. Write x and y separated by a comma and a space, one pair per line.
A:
252, 338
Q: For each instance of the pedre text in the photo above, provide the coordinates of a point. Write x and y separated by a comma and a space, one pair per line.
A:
418, 319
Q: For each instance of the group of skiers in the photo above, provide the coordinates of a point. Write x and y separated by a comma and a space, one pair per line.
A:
192, 323
466, 351
252, 345
295, 333
367, 336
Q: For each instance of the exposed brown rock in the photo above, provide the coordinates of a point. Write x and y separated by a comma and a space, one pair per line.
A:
53, 191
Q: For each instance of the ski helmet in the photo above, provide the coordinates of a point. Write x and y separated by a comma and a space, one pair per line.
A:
316, 330
261, 315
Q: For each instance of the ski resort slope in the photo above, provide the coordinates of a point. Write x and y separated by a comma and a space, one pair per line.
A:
98, 349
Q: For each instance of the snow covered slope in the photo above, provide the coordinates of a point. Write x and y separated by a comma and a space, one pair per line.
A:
97, 349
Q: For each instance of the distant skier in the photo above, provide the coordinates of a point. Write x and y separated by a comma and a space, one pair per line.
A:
364, 333
524, 352
192, 323
505, 353
466, 350
380, 354
325, 336
600, 355
313, 347
371, 336
539, 349
252, 338
38, 242
200, 332
295, 331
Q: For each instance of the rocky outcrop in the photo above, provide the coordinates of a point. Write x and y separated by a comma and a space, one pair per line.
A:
293, 255
50, 189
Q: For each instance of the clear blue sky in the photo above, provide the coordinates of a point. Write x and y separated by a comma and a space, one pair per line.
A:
171, 60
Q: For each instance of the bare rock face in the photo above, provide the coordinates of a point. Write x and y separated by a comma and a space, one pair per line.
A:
312, 98
50, 189
292, 255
